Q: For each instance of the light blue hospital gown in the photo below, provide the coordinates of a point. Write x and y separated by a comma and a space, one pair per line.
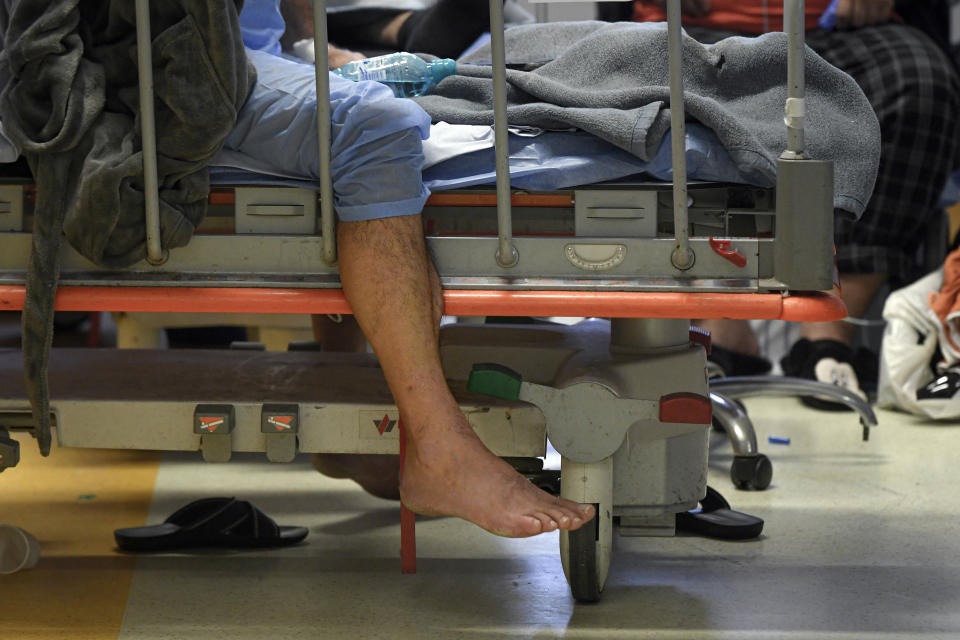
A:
376, 139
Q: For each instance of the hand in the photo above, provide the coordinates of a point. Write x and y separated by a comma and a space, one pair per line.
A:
852, 14
339, 57
692, 8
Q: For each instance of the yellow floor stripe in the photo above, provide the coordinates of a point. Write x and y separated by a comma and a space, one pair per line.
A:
72, 502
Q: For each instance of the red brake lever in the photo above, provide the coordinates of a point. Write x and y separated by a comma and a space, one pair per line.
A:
722, 249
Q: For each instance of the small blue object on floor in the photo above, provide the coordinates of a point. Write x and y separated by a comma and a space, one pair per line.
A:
778, 440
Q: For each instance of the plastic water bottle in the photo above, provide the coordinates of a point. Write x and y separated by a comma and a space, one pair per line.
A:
406, 74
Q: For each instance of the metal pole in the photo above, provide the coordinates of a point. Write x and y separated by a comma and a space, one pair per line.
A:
321, 69
682, 257
155, 253
541, 12
795, 108
507, 255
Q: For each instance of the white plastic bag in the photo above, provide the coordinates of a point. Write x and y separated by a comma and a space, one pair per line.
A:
909, 342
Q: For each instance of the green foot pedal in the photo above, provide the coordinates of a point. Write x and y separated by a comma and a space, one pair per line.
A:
495, 380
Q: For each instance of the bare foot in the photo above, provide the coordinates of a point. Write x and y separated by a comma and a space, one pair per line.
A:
378, 474
451, 472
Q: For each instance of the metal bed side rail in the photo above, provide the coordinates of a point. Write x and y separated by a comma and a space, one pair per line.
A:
156, 254
321, 66
798, 171
155, 251
561, 262
802, 237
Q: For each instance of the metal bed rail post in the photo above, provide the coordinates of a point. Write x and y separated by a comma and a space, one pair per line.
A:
682, 256
795, 109
506, 255
804, 217
321, 69
155, 252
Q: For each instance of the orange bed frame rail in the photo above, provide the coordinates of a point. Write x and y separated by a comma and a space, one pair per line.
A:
803, 307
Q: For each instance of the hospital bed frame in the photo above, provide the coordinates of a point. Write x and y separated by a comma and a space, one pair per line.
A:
626, 402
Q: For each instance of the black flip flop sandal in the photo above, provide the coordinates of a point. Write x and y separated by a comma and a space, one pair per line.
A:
716, 519
211, 522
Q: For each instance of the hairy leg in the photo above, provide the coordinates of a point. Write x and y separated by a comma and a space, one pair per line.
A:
395, 295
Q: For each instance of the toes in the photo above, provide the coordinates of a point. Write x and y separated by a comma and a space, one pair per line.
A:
578, 513
547, 521
529, 526
562, 517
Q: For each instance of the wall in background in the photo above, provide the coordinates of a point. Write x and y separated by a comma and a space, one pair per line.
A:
561, 11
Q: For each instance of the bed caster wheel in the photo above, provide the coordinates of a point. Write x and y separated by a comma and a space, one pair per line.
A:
585, 553
583, 574
751, 473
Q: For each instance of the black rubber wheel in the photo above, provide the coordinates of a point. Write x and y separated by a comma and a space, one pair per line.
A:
751, 473
582, 563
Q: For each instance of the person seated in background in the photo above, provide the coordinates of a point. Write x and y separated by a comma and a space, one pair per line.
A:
394, 292
360, 28
914, 90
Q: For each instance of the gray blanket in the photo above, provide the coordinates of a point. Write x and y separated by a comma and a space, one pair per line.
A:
612, 80
69, 99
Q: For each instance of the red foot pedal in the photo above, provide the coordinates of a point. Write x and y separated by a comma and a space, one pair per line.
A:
722, 249
281, 424
214, 423
685, 408
408, 522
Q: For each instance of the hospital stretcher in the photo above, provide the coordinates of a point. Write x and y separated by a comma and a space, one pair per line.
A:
626, 401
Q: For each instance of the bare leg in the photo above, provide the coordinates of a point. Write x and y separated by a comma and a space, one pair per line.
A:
395, 294
390, 32
859, 290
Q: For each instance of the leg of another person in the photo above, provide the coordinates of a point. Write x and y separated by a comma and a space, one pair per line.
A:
444, 29
859, 290
395, 293
915, 92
